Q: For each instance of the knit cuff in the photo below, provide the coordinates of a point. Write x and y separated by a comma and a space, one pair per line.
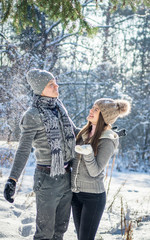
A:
89, 157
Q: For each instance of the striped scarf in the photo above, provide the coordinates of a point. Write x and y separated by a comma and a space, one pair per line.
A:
58, 126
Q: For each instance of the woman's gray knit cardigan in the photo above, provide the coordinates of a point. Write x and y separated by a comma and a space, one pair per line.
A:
87, 170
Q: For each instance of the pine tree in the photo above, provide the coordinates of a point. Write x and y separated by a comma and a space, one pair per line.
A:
69, 12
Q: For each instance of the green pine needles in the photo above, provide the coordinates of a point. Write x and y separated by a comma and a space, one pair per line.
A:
24, 13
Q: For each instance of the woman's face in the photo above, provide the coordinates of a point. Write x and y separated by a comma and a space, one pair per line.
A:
94, 114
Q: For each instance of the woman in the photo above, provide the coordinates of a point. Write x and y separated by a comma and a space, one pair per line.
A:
96, 143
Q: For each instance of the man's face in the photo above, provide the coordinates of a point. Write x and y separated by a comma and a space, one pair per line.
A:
51, 89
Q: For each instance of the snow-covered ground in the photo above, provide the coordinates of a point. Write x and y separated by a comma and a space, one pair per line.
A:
128, 202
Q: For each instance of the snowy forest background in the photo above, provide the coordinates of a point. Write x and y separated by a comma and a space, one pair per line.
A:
113, 63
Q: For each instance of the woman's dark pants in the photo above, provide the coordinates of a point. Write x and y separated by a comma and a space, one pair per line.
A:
87, 211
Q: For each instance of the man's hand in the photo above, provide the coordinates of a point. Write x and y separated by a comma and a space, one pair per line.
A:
121, 133
9, 190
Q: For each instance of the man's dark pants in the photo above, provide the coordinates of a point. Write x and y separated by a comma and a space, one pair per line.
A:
53, 203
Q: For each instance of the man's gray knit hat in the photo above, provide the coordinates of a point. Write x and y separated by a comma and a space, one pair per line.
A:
38, 79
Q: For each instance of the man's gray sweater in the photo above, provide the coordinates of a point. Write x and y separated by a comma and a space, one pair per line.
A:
33, 134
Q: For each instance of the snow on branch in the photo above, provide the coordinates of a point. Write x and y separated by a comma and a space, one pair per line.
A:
60, 39
13, 97
51, 27
78, 114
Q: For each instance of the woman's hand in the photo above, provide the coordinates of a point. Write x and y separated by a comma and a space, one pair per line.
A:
84, 149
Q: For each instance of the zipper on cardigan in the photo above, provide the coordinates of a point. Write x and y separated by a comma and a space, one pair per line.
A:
75, 180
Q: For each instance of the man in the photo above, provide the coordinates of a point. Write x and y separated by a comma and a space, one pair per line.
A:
47, 127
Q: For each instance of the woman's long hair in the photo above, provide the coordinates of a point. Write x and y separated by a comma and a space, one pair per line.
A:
101, 125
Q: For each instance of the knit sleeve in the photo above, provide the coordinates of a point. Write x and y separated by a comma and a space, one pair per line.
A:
75, 129
29, 127
95, 165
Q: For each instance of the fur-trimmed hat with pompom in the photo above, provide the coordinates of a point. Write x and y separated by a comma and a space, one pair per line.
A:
113, 109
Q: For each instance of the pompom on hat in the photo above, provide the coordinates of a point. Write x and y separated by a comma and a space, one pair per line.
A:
38, 79
113, 109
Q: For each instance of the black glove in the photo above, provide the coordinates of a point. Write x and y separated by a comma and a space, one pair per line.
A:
9, 190
121, 133
114, 128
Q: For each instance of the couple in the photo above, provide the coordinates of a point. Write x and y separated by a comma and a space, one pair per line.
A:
47, 127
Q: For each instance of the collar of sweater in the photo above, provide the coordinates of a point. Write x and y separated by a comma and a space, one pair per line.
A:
105, 134
109, 134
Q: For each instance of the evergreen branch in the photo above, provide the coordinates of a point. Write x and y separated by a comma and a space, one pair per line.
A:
52, 26
24, 13
60, 39
6, 9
